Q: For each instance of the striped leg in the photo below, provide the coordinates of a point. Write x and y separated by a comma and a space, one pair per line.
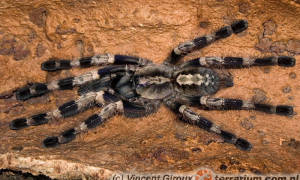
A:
40, 89
191, 117
236, 104
70, 108
238, 62
99, 84
108, 111
201, 42
97, 60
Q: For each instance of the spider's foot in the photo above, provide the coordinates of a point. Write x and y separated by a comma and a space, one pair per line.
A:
239, 26
50, 142
238, 142
284, 110
35, 90
223, 32
54, 65
243, 144
236, 27
18, 124
286, 61
62, 138
34, 120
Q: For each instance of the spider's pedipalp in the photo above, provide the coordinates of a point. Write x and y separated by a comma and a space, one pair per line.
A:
189, 116
97, 60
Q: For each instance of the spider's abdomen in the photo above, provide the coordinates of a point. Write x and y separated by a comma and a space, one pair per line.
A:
200, 81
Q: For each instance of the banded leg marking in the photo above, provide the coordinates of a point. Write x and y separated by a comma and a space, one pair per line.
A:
68, 109
108, 111
191, 117
237, 104
97, 60
204, 41
103, 83
40, 89
238, 62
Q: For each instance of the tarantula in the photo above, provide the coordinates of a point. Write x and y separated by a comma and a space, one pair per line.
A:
136, 87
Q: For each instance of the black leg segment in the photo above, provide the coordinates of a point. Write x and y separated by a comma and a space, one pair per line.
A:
235, 104
189, 116
28, 92
97, 60
238, 62
201, 42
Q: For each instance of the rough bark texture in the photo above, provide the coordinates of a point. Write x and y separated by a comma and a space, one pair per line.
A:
34, 31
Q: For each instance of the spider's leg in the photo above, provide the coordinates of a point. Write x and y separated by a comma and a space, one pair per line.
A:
236, 104
103, 83
238, 62
123, 107
97, 60
40, 89
203, 41
189, 116
70, 108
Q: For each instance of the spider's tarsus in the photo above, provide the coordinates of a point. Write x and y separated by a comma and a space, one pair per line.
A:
223, 32
239, 26
18, 124
50, 142
284, 110
237, 142
243, 144
67, 136
286, 61
28, 92
23, 93
38, 119
64, 137
228, 137
54, 65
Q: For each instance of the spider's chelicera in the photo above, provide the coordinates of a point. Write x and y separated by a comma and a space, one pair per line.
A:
136, 87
